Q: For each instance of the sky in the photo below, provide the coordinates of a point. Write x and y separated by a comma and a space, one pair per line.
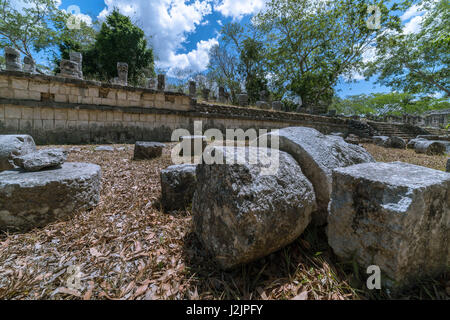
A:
183, 31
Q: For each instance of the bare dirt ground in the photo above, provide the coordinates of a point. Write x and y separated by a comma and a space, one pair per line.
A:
127, 248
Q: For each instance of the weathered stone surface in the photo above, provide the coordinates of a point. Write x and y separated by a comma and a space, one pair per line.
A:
104, 148
241, 215
12, 145
389, 142
339, 134
380, 140
192, 88
161, 82
122, 72
12, 59
447, 168
34, 199
412, 143
147, 150
277, 105
243, 99
429, 147
78, 58
393, 215
178, 184
205, 94
318, 155
352, 138
263, 105
396, 142
29, 65
44, 158
69, 69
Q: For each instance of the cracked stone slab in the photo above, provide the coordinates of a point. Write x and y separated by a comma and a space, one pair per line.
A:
34, 199
241, 215
12, 145
317, 155
393, 215
41, 159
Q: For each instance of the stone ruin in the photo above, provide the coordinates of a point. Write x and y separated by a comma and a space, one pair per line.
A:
205, 94
78, 58
29, 65
243, 99
68, 69
263, 103
38, 187
12, 59
223, 97
161, 82
122, 72
192, 88
369, 207
71, 68
151, 83
277, 106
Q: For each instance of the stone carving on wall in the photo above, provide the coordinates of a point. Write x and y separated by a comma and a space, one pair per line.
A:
29, 65
12, 59
161, 82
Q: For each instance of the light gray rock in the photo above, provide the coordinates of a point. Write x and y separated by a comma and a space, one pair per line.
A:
339, 134
147, 150
263, 105
393, 215
352, 139
34, 199
104, 148
412, 143
381, 141
44, 158
241, 214
318, 155
277, 105
389, 142
243, 99
178, 184
396, 142
12, 59
12, 145
429, 147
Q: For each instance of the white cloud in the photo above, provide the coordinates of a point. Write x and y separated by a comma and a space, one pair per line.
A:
196, 60
237, 9
168, 22
412, 11
81, 16
413, 26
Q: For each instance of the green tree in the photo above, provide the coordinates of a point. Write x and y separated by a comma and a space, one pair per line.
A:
417, 62
223, 69
119, 40
393, 103
310, 44
80, 39
237, 60
28, 28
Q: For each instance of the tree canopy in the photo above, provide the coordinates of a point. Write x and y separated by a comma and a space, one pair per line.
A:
417, 62
119, 40
310, 44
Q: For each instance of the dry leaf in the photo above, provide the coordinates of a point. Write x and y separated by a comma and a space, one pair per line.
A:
301, 296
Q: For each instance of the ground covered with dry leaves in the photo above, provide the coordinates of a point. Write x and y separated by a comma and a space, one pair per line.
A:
127, 248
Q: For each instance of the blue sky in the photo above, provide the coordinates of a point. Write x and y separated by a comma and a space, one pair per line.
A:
183, 30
